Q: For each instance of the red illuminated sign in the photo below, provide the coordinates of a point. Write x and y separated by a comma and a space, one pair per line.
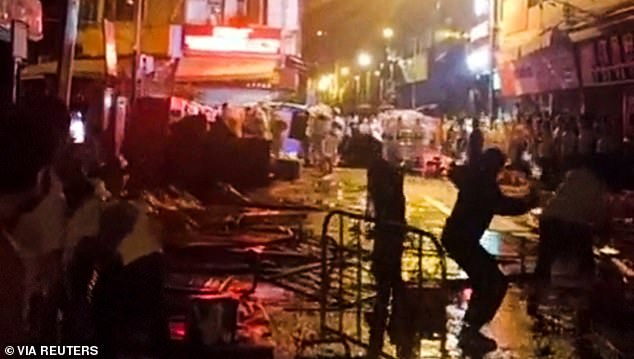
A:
231, 39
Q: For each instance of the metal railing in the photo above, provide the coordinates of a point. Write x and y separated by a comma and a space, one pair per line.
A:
347, 287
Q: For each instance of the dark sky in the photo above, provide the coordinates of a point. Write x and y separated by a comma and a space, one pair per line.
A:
352, 25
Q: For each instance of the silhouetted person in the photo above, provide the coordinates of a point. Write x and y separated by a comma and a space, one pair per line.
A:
569, 221
479, 199
29, 138
476, 143
385, 187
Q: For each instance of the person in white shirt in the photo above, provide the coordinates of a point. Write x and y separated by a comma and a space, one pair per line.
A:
365, 128
317, 130
331, 149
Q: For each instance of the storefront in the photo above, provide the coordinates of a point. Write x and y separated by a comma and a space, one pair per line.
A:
545, 80
236, 65
607, 72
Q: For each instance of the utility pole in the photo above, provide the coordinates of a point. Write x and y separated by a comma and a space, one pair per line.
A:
493, 23
368, 87
67, 52
138, 27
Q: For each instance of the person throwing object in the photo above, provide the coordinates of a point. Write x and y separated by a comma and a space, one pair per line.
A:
479, 199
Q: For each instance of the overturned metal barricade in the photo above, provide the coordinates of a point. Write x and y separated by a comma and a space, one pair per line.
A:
346, 287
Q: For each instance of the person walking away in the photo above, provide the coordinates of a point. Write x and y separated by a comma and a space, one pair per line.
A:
587, 139
546, 152
29, 140
608, 142
476, 143
385, 189
479, 198
569, 143
568, 222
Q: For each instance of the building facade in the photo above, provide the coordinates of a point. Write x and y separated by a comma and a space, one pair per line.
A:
569, 56
210, 51
431, 55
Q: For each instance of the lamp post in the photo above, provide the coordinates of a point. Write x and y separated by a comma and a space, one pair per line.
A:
67, 53
364, 60
379, 90
388, 34
357, 89
344, 73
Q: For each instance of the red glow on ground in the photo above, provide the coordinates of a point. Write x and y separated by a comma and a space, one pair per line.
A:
177, 330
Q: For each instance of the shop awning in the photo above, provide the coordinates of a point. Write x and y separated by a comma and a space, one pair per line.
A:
586, 31
218, 68
82, 68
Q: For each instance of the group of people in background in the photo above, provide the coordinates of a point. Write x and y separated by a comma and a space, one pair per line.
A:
554, 144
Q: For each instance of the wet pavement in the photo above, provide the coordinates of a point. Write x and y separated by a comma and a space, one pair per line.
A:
429, 202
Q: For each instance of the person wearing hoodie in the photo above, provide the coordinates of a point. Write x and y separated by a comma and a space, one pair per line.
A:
479, 199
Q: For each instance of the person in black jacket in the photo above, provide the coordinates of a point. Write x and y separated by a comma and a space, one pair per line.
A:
385, 188
479, 199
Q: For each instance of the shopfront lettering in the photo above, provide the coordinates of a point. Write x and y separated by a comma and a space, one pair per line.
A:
613, 59
230, 39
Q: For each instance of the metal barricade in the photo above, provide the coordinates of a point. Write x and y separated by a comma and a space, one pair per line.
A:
347, 290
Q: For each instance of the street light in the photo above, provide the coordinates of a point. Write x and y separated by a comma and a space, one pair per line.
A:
345, 71
388, 33
325, 82
364, 59
320, 33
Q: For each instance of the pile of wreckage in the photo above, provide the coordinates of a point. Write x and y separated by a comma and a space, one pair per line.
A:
218, 255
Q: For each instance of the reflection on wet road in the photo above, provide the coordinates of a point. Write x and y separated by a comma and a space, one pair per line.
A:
429, 203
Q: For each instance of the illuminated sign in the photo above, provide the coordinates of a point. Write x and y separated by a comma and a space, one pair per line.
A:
479, 31
230, 39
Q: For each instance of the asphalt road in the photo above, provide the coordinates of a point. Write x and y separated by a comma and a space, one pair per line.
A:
429, 203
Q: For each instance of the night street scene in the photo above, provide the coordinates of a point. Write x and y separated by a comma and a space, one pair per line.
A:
308, 179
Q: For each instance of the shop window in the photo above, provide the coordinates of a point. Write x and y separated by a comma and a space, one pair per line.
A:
200, 12
120, 10
125, 10
88, 11
255, 11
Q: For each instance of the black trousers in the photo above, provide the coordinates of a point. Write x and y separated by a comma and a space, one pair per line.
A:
487, 281
558, 238
386, 268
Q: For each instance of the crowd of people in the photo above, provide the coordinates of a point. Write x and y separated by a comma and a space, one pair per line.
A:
554, 144
79, 267
578, 155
